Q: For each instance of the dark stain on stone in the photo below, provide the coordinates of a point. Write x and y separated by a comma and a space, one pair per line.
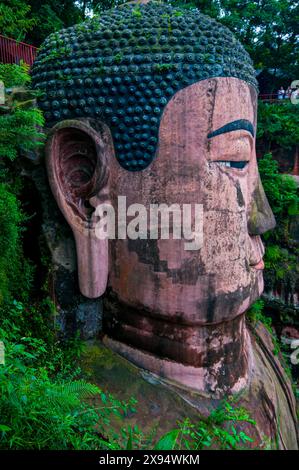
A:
216, 305
148, 253
240, 198
261, 218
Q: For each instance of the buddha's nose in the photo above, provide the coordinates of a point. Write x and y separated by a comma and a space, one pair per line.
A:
260, 217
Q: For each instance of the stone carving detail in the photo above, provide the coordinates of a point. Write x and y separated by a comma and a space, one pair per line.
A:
77, 167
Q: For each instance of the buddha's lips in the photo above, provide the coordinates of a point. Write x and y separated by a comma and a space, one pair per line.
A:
260, 265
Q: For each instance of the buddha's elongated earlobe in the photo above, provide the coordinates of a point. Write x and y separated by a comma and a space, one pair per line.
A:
77, 163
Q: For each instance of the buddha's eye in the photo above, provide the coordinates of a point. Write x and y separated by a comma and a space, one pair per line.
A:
232, 164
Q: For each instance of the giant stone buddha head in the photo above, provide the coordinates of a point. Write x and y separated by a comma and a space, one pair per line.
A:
158, 104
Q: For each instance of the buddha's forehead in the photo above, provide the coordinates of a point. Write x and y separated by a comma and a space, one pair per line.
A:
220, 100
202, 108
233, 100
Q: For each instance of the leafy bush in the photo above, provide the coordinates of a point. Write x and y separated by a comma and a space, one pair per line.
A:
278, 124
281, 253
15, 271
19, 131
218, 431
15, 18
14, 75
39, 412
44, 402
281, 266
255, 314
281, 190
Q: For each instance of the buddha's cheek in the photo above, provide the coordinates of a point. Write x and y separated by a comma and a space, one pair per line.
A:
226, 244
225, 260
224, 254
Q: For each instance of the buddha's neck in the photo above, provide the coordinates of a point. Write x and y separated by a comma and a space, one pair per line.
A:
213, 359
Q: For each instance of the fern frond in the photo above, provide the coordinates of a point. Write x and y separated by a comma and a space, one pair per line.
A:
69, 395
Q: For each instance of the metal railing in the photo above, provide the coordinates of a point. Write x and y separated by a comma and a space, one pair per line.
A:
13, 52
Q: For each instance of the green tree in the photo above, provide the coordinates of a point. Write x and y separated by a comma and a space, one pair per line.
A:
16, 18
268, 29
281, 257
32, 21
278, 125
51, 16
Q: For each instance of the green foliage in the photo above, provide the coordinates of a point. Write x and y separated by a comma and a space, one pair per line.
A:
218, 431
118, 58
15, 271
58, 53
281, 256
163, 68
281, 261
14, 75
19, 131
255, 314
29, 320
281, 190
137, 12
20, 125
33, 21
44, 404
99, 6
15, 18
268, 29
278, 124
47, 21
38, 412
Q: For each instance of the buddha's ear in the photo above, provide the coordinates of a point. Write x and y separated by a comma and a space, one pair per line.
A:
77, 157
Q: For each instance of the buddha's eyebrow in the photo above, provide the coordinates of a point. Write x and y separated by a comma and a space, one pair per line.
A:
233, 126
